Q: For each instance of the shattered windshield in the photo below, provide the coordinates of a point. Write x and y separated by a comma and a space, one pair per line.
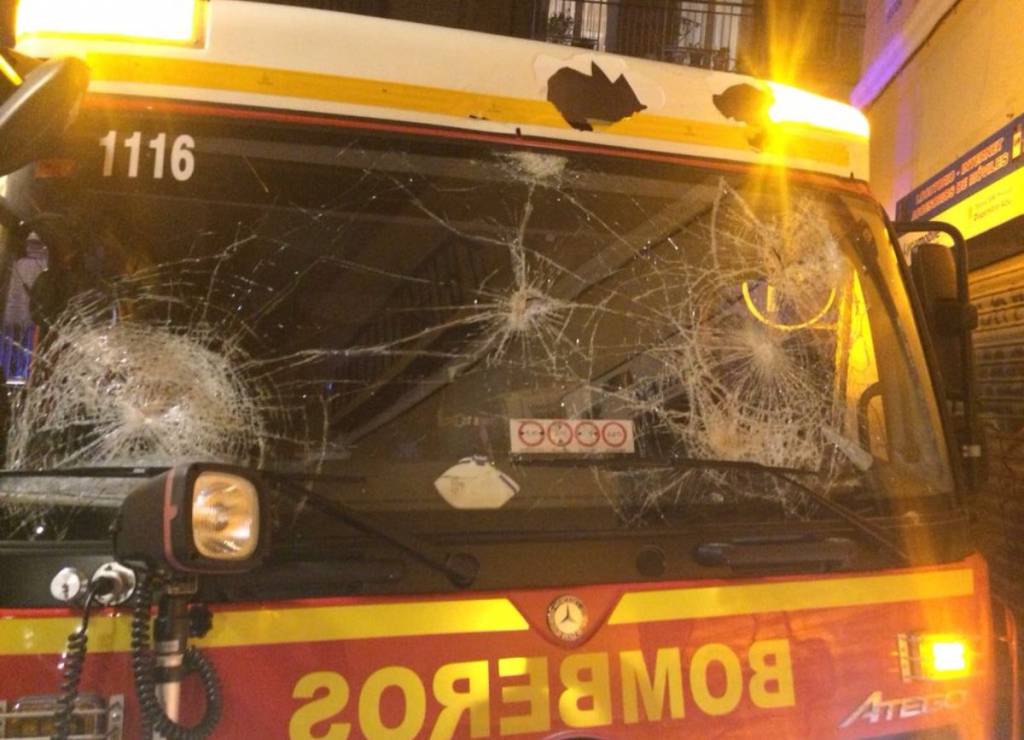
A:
451, 326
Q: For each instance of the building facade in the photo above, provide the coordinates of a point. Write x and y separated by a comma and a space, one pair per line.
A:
943, 88
814, 45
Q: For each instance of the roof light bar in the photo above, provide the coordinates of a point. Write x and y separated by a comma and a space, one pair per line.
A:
791, 105
162, 21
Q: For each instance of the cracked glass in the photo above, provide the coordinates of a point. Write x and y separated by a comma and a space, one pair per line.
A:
399, 313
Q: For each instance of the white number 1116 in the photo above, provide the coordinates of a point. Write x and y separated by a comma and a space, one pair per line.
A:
182, 157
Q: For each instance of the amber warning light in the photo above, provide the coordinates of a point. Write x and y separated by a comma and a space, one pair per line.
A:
160, 21
929, 657
791, 105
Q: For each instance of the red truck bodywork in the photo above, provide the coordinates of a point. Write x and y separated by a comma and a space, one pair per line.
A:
787, 657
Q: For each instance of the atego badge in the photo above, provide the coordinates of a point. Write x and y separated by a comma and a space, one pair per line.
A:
567, 618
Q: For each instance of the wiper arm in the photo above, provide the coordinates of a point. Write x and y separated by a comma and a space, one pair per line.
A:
141, 471
460, 568
110, 471
865, 526
778, 552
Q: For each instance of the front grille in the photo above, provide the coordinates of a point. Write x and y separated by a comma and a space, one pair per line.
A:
94, 718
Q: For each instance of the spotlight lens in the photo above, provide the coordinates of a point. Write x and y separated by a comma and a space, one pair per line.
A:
225, 516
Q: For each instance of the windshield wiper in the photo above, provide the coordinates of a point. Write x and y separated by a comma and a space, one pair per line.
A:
461, 568
780, 552
864, 526
110, 471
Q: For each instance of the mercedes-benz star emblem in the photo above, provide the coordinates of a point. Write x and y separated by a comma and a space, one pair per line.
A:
567, 618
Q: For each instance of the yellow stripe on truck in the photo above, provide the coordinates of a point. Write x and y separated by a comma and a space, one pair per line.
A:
315, 86
284, 624
45, 635
442, 101
413, 619
727, 601
273, 626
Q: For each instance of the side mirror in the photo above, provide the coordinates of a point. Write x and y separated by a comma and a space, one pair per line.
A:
197, 518
940, 280
950, 319
36, 114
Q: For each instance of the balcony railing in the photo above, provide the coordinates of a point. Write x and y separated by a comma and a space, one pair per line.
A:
702, 34
730, 35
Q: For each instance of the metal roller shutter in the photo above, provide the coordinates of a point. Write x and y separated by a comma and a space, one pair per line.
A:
998, 293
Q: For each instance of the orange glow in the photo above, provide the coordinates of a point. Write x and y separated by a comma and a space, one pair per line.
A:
934, 657
173, 21
943, 656
9, 72
791, 105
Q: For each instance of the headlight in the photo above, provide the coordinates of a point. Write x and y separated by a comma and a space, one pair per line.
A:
199, 518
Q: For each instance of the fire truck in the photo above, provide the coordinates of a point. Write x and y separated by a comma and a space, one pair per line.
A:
371, 379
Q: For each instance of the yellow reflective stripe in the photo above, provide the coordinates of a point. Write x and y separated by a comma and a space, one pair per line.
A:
47, 635
724, 601
441, 101
29, 635
9, 72
413, 619
26, 635
315, 86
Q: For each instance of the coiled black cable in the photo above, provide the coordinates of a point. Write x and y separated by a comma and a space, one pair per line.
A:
72, 666
153, 716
